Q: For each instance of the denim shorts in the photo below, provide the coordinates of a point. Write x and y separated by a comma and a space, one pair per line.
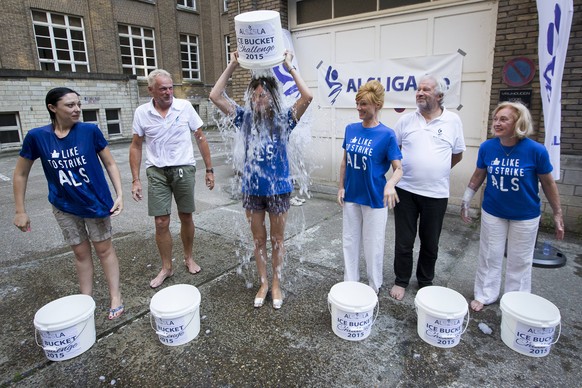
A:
78, 229
273, 204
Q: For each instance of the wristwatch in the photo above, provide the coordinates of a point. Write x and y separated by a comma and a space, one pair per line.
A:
210, 170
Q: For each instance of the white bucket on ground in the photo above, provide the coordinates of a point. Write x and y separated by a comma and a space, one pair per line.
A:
176, 313
352, 305
259, 39
66, 327
441, 312
528, 323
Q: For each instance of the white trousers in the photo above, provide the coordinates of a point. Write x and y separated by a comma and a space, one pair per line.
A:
521, 238
365, 227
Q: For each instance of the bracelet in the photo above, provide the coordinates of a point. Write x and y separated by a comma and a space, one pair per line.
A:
292, 68
210, 170
136, 179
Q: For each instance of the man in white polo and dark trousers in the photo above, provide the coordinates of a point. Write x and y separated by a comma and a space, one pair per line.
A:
166, 125
432, 143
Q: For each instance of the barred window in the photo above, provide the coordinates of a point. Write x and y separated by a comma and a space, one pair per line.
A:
113, 122
190, 57
227, 48
60, 41
190, 4
10, 129
138, 50
91, 116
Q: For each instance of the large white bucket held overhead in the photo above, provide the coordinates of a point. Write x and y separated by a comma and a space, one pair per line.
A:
66, 327
259, 39
529, 323
352, 305
441, 312
176, 314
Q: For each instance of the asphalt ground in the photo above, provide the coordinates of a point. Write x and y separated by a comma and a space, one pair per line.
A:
241, 346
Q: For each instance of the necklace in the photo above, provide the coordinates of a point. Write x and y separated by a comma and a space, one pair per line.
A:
511, 148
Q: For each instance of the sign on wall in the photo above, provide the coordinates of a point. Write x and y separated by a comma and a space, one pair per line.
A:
339, 83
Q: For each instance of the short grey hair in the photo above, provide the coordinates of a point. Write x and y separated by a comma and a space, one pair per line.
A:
441, 85
157, 73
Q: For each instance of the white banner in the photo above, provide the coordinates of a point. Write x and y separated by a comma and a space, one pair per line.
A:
555, 19
339, 83
286, 79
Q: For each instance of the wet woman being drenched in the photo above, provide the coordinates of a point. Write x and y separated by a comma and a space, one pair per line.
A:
266, 184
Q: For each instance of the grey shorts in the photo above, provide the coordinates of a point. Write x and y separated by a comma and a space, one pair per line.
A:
273, 204
78, 229
163, 182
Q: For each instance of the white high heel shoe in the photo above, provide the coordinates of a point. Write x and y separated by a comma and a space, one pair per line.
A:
259, 302
277, 303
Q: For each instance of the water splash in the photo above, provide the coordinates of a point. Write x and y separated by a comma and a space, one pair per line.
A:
241, 146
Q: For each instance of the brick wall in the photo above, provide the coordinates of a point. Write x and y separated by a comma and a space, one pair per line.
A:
517, 36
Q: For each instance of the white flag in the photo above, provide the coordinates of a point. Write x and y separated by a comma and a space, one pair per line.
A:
555, 19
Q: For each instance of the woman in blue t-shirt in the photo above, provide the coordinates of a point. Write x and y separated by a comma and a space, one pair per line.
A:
370, 149
514, 166
266, 184
71, 153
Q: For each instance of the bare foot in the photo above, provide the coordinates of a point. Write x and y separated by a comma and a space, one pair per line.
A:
397, 292
476, 306
163, 275
193, 268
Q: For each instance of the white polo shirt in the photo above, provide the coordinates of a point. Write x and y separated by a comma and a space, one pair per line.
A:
168, 140
426, 152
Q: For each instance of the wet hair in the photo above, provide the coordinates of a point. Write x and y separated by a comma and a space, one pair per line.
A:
441, 86
523, 125
53, 97
270, 85
157, 73
372, 91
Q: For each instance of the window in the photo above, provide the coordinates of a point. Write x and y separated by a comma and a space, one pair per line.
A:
9, 129
138, 50
60, 41
189, 4
189, 56
91, 116
317, 10
227, 48
113, 123
225, 5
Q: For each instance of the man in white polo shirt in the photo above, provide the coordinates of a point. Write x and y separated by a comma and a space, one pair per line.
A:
166, 125
432, 143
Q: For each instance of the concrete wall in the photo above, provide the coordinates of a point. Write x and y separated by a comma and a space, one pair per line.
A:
24, 93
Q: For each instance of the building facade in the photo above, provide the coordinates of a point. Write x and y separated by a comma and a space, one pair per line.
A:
104, 49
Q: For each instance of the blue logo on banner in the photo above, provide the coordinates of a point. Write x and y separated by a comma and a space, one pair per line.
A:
335, 86
553, 28
289, 86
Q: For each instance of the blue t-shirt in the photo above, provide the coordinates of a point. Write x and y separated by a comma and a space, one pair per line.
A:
76, 182
266, 164
512, 190
369, 156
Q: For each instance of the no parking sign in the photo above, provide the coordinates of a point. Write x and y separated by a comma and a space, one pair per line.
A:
518, 71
